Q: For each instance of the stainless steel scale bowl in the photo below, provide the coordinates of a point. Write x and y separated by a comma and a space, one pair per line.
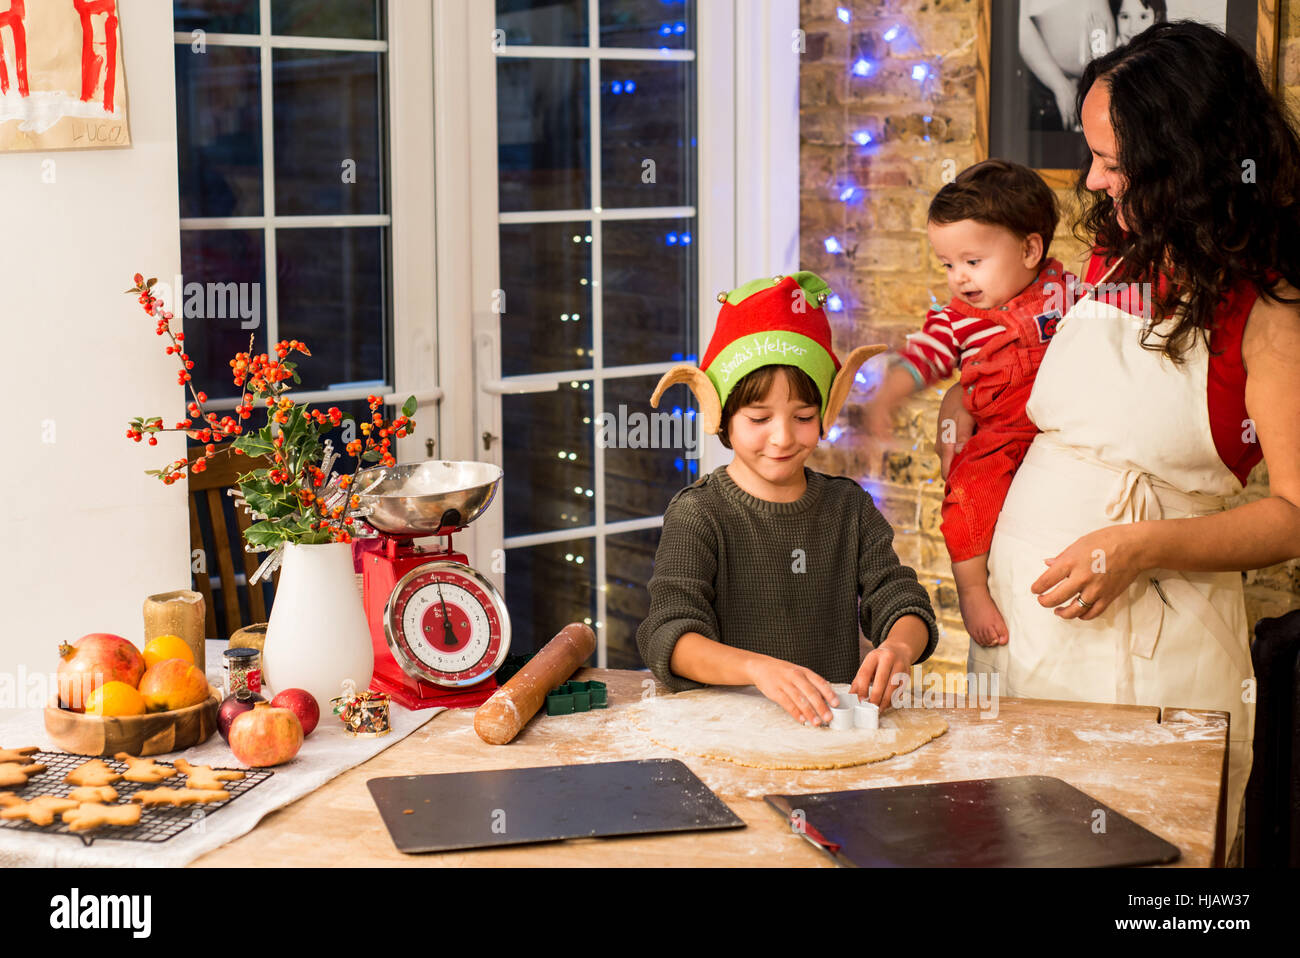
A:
428, 498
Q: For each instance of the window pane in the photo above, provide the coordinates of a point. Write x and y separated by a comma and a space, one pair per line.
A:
552, 23
547, 587
629, 563
648, 23
216, 16
647, 114
543, 135
649, 291
332, 291
546, 278
647, 451
219, 131
547, 459
328, 133
353, 19
224, 303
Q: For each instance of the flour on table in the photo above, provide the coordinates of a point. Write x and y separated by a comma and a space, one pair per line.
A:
743, 726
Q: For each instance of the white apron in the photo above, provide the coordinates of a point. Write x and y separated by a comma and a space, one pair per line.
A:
1125, 437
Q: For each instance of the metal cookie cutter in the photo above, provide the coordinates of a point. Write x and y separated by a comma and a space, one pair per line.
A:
576, 697
842, 717
866, 715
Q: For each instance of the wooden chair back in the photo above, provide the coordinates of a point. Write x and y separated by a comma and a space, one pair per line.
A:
225, 560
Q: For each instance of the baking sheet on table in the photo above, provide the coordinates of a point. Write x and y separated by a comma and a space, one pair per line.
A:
1023, 821
515, 806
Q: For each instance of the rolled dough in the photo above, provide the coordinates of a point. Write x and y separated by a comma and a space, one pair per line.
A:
741, 725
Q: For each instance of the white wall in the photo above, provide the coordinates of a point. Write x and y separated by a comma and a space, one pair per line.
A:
86, 535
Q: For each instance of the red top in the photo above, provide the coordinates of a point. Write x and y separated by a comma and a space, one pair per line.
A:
1234, 438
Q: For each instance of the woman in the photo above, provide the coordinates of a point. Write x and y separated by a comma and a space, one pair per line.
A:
1194, 184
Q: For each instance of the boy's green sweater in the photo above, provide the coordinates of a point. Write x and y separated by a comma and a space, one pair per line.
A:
788, 579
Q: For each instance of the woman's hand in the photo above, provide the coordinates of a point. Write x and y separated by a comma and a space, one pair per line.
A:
955, 427
801, 692
1099, 567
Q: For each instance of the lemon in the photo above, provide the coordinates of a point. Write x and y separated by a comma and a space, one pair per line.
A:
115, 698
166, 647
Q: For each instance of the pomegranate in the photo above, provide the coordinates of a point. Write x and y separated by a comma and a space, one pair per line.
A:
93, 660
265, 736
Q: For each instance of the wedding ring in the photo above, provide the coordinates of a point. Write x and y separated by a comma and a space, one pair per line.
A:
1079, 599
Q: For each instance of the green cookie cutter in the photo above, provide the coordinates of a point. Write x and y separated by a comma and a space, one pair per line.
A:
574, 697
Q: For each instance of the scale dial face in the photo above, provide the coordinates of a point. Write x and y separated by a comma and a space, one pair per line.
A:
447, 624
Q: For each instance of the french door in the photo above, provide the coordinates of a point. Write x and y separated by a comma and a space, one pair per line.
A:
598, 209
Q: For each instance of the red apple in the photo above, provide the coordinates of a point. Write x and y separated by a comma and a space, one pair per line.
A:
265, 736
302, 704
234, 706
93, 660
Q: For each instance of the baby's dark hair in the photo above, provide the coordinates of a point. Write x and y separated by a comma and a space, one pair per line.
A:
1003, 194
753, 387
1157, 7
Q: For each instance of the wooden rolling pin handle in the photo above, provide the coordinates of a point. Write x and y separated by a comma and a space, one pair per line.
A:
501, 717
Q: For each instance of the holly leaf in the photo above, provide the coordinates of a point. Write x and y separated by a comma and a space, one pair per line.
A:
149, 283
265, 533
255, 444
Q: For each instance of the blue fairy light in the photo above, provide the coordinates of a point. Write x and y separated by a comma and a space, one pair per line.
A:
919, 72
629, 86
686, 239
848, 193
671, 239
833, 246
892, 33
835, 304
861, 137
616, 87
843, 14
834, 434
862, 67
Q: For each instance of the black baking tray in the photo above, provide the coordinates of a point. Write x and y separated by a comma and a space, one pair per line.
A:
516, 806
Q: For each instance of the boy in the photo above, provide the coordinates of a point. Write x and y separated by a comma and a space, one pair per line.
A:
990, 229
765, 569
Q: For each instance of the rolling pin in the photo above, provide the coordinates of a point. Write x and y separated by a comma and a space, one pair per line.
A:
501, 717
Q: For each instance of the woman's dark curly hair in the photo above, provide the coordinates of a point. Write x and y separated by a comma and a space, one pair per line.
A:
1212, 163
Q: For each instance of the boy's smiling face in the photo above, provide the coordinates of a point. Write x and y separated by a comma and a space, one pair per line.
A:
772, 438
986, 266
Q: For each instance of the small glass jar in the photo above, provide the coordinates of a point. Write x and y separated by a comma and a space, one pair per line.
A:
242, 669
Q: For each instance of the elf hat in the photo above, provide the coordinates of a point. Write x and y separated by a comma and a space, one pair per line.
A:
769, 322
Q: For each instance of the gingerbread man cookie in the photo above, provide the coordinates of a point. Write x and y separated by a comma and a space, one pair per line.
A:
38, 811
89, 815
144, 770
88, 794
94, 772
179, 796
205, 777
19, 756
11, 773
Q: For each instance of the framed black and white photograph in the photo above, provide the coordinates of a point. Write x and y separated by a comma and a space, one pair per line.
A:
1033, 52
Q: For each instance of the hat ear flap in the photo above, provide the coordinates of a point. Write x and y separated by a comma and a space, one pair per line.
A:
844, 381
705, 394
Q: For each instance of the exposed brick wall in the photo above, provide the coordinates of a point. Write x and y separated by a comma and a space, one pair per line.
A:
886, 273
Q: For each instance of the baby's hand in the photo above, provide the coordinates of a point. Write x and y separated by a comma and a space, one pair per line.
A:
801, 692
882, 671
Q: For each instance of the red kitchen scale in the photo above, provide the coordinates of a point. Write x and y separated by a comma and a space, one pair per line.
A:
440, 628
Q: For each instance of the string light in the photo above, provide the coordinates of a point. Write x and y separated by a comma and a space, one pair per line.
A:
844, 15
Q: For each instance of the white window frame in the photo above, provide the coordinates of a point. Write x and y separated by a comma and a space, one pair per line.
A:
747, 218
410, 151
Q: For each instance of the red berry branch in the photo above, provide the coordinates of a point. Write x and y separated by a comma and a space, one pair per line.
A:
294, 498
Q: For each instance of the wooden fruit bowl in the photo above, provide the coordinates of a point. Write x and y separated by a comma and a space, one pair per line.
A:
151, 734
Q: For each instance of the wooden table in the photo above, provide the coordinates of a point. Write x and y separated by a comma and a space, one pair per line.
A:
1165, 771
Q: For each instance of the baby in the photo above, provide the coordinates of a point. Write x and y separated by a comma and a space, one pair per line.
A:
990, 229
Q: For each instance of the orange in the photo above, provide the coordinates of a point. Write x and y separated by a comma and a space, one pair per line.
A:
166, 647
173, 684
115, 698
